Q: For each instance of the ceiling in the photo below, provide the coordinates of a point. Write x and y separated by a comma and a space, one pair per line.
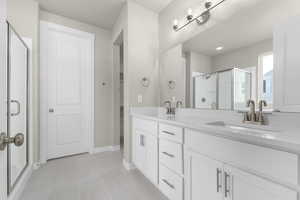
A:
102, 13
250, 25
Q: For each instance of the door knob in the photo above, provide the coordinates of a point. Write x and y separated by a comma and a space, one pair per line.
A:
18, 140
51, 110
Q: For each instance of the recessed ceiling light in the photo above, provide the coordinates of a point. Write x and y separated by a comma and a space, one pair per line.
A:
219, 48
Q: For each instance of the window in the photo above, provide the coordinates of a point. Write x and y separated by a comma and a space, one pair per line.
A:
265, 78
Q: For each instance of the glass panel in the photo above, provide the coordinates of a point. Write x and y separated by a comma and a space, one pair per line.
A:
267, 93
225, 93
17, 106
205, 91
242, 89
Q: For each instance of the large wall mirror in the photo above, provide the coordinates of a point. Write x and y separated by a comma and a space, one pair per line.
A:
228, 64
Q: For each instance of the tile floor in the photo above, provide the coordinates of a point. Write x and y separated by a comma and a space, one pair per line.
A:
89, 177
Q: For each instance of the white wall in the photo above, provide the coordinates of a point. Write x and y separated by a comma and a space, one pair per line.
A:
196, 63
142, 54
172, 68
103, 74
243, 57
140, 34
200, 63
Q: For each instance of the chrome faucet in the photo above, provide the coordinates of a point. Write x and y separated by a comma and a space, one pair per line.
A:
252, 116
170, 109
168, 106
260, 115
179, 104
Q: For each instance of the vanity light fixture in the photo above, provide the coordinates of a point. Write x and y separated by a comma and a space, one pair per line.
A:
200, 19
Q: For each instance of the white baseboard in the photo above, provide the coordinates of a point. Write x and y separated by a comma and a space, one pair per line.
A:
18, 190
128, 166
37, 165
116, 148
105, 149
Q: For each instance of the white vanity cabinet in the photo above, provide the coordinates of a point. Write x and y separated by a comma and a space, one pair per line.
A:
203, 177
286, 66
213, 170
145, 147
207, 178
171, 161
188, 164
240, 185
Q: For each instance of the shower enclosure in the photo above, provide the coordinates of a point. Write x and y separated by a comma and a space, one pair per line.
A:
15, 138
224, 90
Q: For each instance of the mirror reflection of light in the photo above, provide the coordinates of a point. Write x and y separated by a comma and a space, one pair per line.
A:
219, 48
267, 136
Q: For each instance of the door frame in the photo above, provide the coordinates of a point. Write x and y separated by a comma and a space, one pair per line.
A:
44, 25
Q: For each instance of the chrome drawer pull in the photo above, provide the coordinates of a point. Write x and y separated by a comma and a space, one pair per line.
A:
219, 185
142, 140
167, 154
169, 133
227, 189
169, 184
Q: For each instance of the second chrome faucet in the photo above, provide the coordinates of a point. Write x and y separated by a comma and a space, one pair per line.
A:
254, 117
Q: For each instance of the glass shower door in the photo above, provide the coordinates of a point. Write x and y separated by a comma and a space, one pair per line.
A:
17, 123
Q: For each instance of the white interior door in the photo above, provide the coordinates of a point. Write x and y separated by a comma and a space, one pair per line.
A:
68, 58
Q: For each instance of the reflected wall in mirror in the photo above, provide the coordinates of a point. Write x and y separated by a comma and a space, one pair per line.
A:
239, 75
229, 63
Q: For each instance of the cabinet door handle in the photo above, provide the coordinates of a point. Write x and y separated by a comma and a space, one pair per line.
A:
167, 154
219, 184
227, 184
169, 184
169, 133
142, 140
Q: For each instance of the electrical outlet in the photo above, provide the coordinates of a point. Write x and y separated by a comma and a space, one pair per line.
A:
140, 98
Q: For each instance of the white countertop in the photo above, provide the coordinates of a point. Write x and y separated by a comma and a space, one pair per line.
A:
284, 140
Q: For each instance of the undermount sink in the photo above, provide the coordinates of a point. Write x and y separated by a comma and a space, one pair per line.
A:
248, 129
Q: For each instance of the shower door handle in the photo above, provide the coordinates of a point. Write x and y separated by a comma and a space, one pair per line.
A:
18, 108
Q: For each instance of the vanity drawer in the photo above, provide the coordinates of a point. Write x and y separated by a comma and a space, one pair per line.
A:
147, 126
280, 165
173, 133
170, 184
171, 155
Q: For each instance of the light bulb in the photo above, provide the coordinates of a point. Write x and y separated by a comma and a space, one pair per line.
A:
190, 11
189, 14
219, 48
175, 24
